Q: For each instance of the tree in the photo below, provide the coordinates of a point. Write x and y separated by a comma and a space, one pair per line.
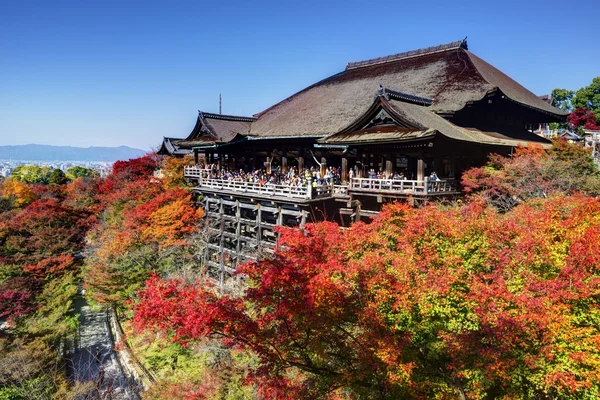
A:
16, 193
57, 177
582, 118
588, 98
533, 173
457, 302
136, 168
563, 99
172, 170
80, 172
31, 174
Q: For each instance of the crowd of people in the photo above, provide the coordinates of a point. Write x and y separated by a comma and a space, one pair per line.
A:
292, 177
295, 178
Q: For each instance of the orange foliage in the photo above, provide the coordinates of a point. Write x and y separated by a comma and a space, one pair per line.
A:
18, 193
172, 170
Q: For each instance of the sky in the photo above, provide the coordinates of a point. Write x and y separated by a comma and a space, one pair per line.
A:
111, 73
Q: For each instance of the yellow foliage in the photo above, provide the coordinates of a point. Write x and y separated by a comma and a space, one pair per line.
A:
18, 193
172, 169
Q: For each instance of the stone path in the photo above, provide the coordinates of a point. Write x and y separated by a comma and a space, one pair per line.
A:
93, 359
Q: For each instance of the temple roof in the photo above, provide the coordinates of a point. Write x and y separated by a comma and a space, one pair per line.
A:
449, 75
171, 147
409, 121
215, 128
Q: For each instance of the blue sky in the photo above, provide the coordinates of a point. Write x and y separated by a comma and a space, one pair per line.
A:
109, 73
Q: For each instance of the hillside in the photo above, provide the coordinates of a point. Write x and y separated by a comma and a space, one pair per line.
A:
39, 152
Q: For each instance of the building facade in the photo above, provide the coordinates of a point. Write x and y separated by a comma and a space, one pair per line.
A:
404, 126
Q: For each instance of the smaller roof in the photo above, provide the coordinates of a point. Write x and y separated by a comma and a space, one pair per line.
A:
170, 146
568, 135
212, 128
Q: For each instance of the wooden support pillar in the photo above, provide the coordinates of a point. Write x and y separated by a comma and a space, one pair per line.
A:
389, 168
301, 162
420, 168
269, 161
361, 170
196, 157
219, 161
323, 166
344, 169
283, 164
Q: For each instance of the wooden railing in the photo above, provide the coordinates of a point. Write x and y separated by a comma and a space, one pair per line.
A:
300, 192
266, 189
395, 186
195, 172
402, 186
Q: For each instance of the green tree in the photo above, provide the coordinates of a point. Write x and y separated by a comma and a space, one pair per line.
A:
31, 174
563, 99
57, 177
78, 172
589, 97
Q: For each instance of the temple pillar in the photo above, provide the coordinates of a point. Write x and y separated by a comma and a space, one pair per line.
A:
284, 164
389, 168
219, 161
344, 169
420, 168
323, 166
363, 166
269, 161
301, 162
196, 157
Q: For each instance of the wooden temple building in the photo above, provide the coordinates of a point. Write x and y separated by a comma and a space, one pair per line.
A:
439, 109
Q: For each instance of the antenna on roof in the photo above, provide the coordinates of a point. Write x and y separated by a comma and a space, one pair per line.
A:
220, 104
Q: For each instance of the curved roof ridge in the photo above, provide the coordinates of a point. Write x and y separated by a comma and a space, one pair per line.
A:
225, 116
408, 54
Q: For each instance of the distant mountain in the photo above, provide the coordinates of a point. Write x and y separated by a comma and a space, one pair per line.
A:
40, 152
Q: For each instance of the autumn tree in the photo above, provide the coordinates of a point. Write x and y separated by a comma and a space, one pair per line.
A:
456, 302
172, 170
532, 173
145, 227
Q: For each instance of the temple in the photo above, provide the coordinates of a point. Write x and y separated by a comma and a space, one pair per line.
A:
399, 127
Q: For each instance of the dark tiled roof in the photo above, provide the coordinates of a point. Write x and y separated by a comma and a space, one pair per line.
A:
170, 146
217, 128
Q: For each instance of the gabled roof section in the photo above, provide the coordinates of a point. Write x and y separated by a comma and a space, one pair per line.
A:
413, 121
409, 54
171, 147
216, 128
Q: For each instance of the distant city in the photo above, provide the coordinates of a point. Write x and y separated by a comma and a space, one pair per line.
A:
100, 159
103, 167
